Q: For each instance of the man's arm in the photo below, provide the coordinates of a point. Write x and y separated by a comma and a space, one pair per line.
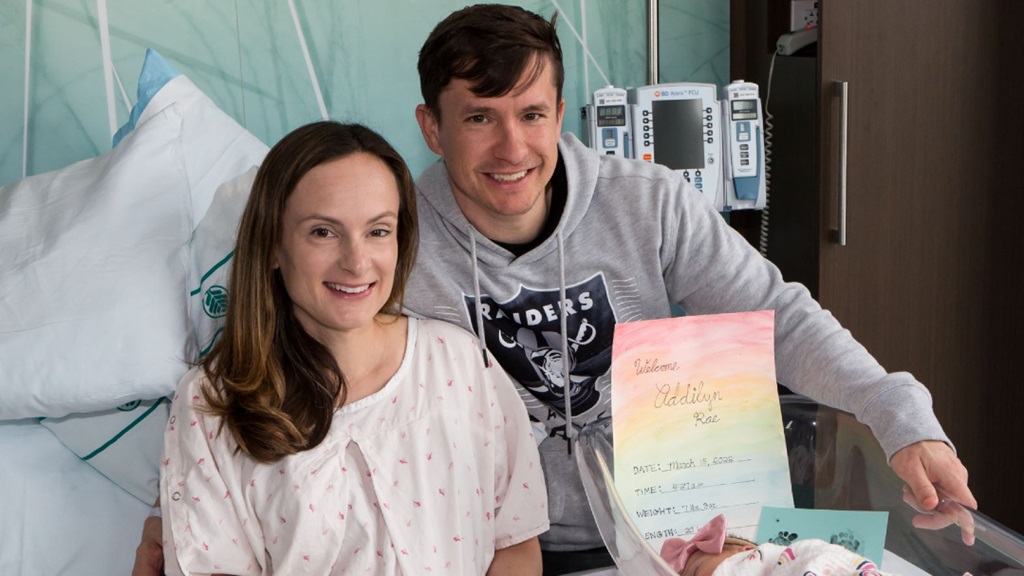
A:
817, 357
149, 556
517, 560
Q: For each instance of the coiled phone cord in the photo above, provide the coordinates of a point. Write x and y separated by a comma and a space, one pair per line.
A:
763, 235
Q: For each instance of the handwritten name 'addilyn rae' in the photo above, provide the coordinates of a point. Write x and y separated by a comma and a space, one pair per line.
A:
669, 395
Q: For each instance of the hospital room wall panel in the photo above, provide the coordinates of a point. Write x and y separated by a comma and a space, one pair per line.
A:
694, 41
248, 57
69, 124
362, 58
273, 83
12, 70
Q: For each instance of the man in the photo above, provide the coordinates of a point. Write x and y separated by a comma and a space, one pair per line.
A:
540, 245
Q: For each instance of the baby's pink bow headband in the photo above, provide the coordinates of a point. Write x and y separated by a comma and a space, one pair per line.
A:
710, 539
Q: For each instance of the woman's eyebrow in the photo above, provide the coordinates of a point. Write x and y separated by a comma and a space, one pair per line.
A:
332, 220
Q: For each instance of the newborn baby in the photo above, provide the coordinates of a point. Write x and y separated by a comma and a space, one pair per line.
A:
711, 551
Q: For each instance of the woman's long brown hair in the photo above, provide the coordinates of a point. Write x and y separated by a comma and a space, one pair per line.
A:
275, 386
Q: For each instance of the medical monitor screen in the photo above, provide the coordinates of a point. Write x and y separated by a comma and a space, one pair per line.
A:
744, 109
611, 116
678, 133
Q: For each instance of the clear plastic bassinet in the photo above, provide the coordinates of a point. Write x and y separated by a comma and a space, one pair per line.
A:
835, 464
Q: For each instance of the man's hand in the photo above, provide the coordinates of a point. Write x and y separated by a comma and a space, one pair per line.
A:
948, 512
518, 559
928, 467
149, 556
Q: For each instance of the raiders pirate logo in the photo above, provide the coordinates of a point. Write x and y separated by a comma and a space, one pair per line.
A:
524, 335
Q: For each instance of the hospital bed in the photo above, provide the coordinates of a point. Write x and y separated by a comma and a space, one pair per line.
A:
835, 464
58, 514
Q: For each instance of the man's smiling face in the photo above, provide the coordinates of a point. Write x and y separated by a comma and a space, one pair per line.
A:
500, 152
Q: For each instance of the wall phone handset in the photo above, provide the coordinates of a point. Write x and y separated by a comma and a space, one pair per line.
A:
795, 40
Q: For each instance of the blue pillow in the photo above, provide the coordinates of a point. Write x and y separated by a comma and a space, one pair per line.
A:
156, 72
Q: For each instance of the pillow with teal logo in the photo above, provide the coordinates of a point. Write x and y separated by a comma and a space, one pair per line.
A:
212, 252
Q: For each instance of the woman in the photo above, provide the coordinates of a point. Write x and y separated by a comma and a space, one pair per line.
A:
326, 433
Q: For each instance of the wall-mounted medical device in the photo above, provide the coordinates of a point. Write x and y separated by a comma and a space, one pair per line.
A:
744, 143
679, 126
611, 124
717, 145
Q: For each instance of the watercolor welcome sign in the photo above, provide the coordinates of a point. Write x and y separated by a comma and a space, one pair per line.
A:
697, 424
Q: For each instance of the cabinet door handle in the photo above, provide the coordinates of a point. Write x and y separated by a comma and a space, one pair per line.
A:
842, 89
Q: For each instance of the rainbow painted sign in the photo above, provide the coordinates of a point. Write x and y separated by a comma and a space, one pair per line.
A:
697, 424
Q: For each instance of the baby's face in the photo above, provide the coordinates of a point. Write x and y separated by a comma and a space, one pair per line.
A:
704, 564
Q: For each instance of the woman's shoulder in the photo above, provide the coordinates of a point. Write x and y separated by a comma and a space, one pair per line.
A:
191, 387
449, 347
193, 379
442, 347
448, 333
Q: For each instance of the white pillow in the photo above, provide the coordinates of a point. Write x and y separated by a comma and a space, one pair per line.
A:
213, 250
93, 271
217, 149
123, 443
95, 275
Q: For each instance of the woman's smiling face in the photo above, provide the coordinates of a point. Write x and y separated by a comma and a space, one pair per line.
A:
339, 244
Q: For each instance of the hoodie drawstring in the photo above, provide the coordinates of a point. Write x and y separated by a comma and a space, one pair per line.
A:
564, 329
566, 369
480, 332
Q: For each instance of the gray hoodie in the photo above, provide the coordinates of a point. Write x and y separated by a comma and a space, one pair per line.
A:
633, 237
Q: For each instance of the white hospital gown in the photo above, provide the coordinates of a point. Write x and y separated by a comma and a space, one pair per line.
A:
810, 557
428, 476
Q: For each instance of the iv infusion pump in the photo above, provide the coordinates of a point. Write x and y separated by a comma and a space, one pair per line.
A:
717, 145
611, 122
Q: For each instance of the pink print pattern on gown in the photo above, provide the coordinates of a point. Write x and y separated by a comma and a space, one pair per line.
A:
428, 476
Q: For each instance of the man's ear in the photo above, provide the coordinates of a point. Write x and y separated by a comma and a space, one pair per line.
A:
561, 114
429, 129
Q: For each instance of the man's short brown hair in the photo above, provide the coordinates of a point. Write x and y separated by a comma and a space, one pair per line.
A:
491, 46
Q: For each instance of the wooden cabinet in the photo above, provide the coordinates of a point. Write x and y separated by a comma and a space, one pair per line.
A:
932, 274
